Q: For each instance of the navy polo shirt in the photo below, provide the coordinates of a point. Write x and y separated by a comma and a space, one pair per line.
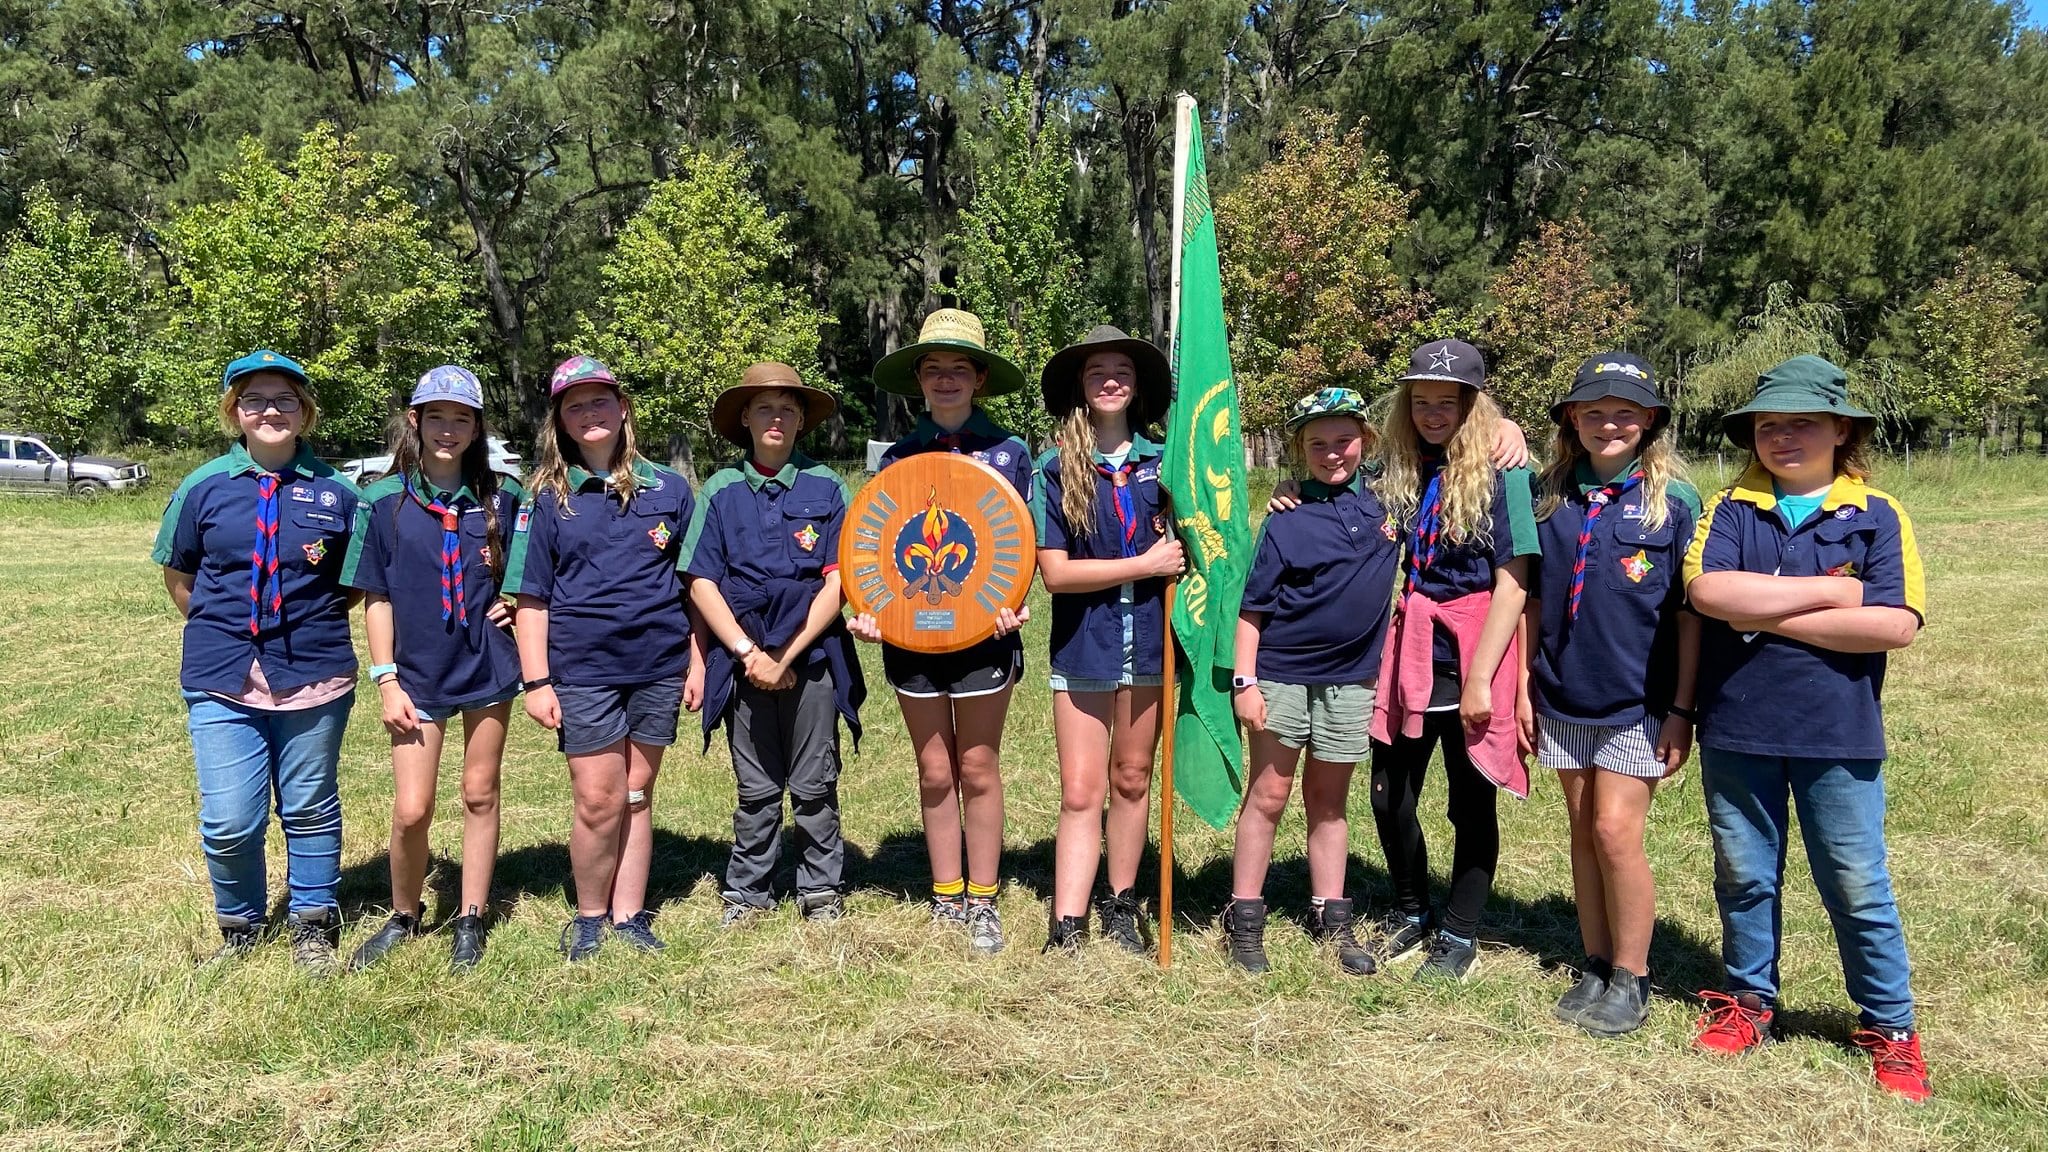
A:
1767, 695
1466, 567
396, 554
1619, 659
1088, 627
608, 576
209, 532
1324, 575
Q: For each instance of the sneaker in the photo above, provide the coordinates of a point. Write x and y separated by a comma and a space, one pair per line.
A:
1449, 959
1119, 913
1068, 934
738, 913
1621, 1009
401, 927
315, 936
1896, 1061
1732, 1025
1398, 937
1593, 976
822, 906
1244, 933
949, 911
238, 937
636, 930
1334, 927
582, 937
469, 941
984, 927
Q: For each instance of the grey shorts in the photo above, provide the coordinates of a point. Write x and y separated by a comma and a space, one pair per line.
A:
1332, 721
594, 718
1629, 749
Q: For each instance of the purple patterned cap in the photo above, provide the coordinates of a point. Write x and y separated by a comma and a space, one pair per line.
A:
449, 382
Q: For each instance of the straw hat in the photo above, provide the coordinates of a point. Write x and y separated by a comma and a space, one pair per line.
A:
947, 330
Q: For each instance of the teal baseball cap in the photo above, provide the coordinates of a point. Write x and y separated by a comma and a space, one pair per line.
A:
263, 360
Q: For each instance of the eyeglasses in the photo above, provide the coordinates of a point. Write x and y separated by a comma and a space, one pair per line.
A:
258, 405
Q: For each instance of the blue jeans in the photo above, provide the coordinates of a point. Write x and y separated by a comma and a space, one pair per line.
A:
1841, 818
246, 755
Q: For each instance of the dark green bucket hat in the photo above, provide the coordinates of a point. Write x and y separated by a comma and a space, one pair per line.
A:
1328, 402
1801, 384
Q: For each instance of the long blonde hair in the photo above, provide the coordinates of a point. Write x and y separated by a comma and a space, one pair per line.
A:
1074, 436
552, 455
1659, 461
1467, 488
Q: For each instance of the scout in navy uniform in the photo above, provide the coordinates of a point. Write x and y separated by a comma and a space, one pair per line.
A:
1612, 662
954, 704
1309, 632
428, 551
1452, 670
763, 558
605, 643
251, 548
1808, 576
1104, 554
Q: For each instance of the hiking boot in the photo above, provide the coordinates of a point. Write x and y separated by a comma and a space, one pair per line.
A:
315, 936
402, 926
984, 927
1244, 933
1397, 936
1621, 1009
1118, 912
822, 906
1334, 927
949, 911
1068, 934
582, 937
469, 941
1732, 1025
1896, 1061
1593, 977
239, 936
738, 913
636, 930
1450, 959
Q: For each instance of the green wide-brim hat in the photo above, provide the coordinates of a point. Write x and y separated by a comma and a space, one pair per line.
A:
1801, 384
947, 330
1060, 382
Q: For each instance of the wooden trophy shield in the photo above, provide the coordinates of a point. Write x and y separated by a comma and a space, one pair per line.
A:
935, 547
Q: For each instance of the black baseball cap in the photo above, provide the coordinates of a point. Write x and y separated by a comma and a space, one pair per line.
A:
1621, 376
1452, 360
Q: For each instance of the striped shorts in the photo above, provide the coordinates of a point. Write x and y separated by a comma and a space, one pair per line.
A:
1630, 749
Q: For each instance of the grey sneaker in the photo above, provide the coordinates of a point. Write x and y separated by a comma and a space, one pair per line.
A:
1449, 959
637, 930
1593, 976
949, 911
738, 913
984, 927
315, 936
238, 937
821, 907
1621, 1009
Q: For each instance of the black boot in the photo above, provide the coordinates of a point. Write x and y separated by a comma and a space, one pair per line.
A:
238, 937
1334, 927
1118, 912
1068, 934
315, 936
1593, 977
1621, 1009
469, 941
1244, 933
401, 927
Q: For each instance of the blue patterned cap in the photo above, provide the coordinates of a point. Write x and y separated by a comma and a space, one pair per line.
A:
449, 382
263, 360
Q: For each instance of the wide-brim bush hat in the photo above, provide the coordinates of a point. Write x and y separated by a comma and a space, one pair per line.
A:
1450, 360
450, 382
263, 360
767, 375
1616, 376
1328, 402
579, 370
1060, 382
1801, 384
947, 330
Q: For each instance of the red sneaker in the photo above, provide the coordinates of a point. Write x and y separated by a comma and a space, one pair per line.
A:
1732, 1025
1896, 1061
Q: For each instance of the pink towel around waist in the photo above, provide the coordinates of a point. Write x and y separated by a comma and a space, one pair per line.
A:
1407, 673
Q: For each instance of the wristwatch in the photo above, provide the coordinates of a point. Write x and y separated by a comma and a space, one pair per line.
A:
741, 649
1244, 682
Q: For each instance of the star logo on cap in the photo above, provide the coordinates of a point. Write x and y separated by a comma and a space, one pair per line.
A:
1440, 360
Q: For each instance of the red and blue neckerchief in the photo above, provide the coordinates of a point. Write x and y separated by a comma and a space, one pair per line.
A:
1596, 501
263, 560
451, 555
1126, 503
1428, 526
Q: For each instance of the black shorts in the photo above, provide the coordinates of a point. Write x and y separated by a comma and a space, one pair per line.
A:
987, 668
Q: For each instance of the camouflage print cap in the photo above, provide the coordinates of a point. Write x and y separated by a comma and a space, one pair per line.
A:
579, 370
1327, 402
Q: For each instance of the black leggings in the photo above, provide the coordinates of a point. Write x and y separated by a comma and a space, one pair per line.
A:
1397, 771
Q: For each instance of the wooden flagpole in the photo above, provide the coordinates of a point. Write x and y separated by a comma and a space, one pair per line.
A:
1169, 698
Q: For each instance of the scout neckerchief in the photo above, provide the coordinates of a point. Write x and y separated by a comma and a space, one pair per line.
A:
451, 554
263, 561
1428, 525
1126, 503
1596, 500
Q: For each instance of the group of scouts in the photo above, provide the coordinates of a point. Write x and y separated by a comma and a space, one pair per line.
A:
1415, 590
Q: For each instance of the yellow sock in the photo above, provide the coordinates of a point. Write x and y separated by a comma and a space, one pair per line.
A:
950, 889
981, 891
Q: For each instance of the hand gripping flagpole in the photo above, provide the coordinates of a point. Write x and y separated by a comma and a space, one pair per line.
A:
1169, 697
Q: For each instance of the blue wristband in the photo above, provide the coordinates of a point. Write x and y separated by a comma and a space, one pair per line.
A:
378, 671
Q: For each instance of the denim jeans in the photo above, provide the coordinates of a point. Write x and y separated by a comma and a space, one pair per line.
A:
244, 757
1841, 819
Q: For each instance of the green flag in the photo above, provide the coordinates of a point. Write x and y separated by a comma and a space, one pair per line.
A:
1203, 469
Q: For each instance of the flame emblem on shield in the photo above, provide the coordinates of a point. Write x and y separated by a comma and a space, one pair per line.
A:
934, 552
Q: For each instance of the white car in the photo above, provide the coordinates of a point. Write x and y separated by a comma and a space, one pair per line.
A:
367, 468
29, 464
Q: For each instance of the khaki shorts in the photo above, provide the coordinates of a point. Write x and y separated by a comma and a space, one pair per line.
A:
1332, 721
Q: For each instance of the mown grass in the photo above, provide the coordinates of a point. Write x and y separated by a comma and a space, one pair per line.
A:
878, 1033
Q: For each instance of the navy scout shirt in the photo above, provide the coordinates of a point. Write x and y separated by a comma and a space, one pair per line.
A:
608, 576
767, 542
1463, 568
1324, 574
1767, 695
396, 554
1088, 627
209, 532
1619, 659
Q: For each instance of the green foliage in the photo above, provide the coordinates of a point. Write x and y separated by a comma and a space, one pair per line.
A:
1725, 376
690, 299
69, 323
1546, 312
1975, 339
323, 260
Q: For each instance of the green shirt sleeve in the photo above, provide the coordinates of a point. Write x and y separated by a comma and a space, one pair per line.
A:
1518, 489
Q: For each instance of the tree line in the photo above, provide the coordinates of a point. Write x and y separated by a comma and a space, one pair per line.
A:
378, 185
